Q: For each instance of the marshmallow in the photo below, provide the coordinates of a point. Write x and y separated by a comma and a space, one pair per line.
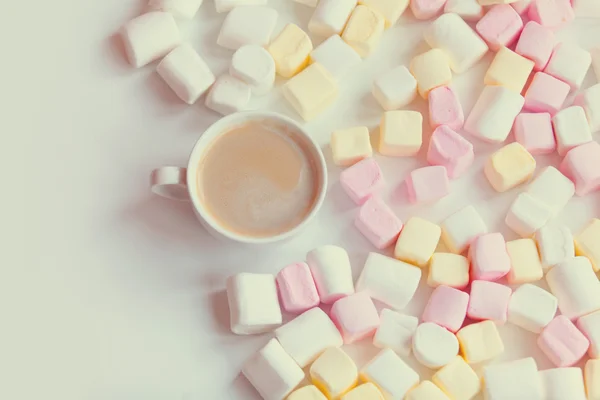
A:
589, 100
587, 243
186, 73
450, 150
488, 301
546, 94
330, 17
509, 167
449, 270
336, 56
228, 95
509, 69
222, 6
592, 379
330, 267
426, 391
553, 14
309, 3
297, 289
393, 385
378, 223
149, 37
595, 52
427, 184
349, 146
355, 316
563, 383
311, 91
512, 380
500, 26
586, 8
334, 372
390, 9
426, 9
290, 50
272, 371
489, 258
447, 307
480, 342
253, 303
255, 66
434, 346
417, 241
395, 89
569, 63
571, 129
581, 166
531, 308
247, 25
366, 391
458, 380
400, 133
535, 133
492, 117
461, 228
362, 180
527, 215
185, 9
521, 6
458, 40
390, 281
395, 331
562, 342
552, 188
536, 43
308, 335
431, 69
310, 392
525, 262
469, 10
493, 2
445, 109
589, 325
576, 287
364, 30
555, 244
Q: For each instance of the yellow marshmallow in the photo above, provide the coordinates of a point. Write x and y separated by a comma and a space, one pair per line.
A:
311, 91
351, 145
448, 269
508, 69
480, 342
290, 50
431, 69
458, 380
526, 265
390, 9
592, 379
508, 167
363, 30
366, 391
334, 372
417, 241
426, 391
307, 393
400, 133
587, 243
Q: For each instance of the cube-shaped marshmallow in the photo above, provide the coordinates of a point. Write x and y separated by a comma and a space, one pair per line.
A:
586, 8
581, 166
395, 331
364, 30
255, 66
595, 52
546, 94
334, 372
434, 346
489, 258
592, 379
536, 43
395, 89
521, 6
185, 9
511, 380
228, 95
589, 325
297, 289
426, 9
527, 215
417, 241
525, 263
355, 316
562, 342
531, 308
469, 10
366, 391
535, 133
427, 184
509, 69
489, 301
480, 342
448, 269
431, 69
247, 25
349, 146
426, 391
500, 26
390, 9
552, 14
460, 229
290, 50
362, 180
569, 63
400, 133
310, 392
458, 380
587, 243
445, 109
222, 6
450, 150
589, 100
311, 91
447, 307
563, 383
555, 243
571, 129
392, 385
330, 267
509, 167
336, 56
552, 188
378, 223
330, 17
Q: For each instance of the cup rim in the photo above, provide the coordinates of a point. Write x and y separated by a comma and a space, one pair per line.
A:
220, 127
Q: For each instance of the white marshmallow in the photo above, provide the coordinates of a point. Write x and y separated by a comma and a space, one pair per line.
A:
186, 73
253, 303
494, 113
395, 331
563, 383
310, 3
571, 129
395, 89
336, 56
527, 215
459, 41
331, 270
434, 346
273, 372
390, 374
552, 188
228, 95
228, 5
308, 335
185, 9
569, 63
595, 52
576, 287
247, 25
513, 380
586, 8
469, 10
589, 325
330, 17
589, 99
390, 281
150, 37
532, 308
461, 228
255, 66
555, 244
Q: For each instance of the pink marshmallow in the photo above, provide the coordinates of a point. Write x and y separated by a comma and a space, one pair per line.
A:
297, 289
489, 301
445, 108
362, 180
562, 342
536, 43
426, 9
447, 307
546, 94
427, 184
355, 316
450, 150
378, 223
582, 166
489, 258
521, 6
535, 133
552, 14
500, 26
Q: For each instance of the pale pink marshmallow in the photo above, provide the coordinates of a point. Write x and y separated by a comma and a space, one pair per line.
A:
536, 43
521, 6
445, 108
450, 150
447, 307
534, 131
500, 26
427, 184
551, 13
355, 316
546, 94
362, 180
489, 301
562, 342
297, 289
378, 223
426, 9
489, 258
569, 63
582, 166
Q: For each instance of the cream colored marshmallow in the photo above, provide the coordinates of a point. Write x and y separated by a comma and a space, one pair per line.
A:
351, 145
417, 241
526, 265
480, 342
458, 380
330, 17
592, 379
563, 383
334, 372
460, 229
290, 50
596, 61
469, 10
509, 69
587, 243
390, 9
393, 385
434, 346
527, 215
512, 380
309, 392
509, 167
431, 69
395, 89
395, 331
426, 391
401, 133
366, 391
311, 91
555, 244
448, 269
552, 188
364, 29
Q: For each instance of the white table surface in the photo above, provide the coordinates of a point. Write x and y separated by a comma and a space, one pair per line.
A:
110, 293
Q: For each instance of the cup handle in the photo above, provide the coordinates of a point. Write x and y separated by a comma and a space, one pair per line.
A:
170, 182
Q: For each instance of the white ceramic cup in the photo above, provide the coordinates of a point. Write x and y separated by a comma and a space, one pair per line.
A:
179, 183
